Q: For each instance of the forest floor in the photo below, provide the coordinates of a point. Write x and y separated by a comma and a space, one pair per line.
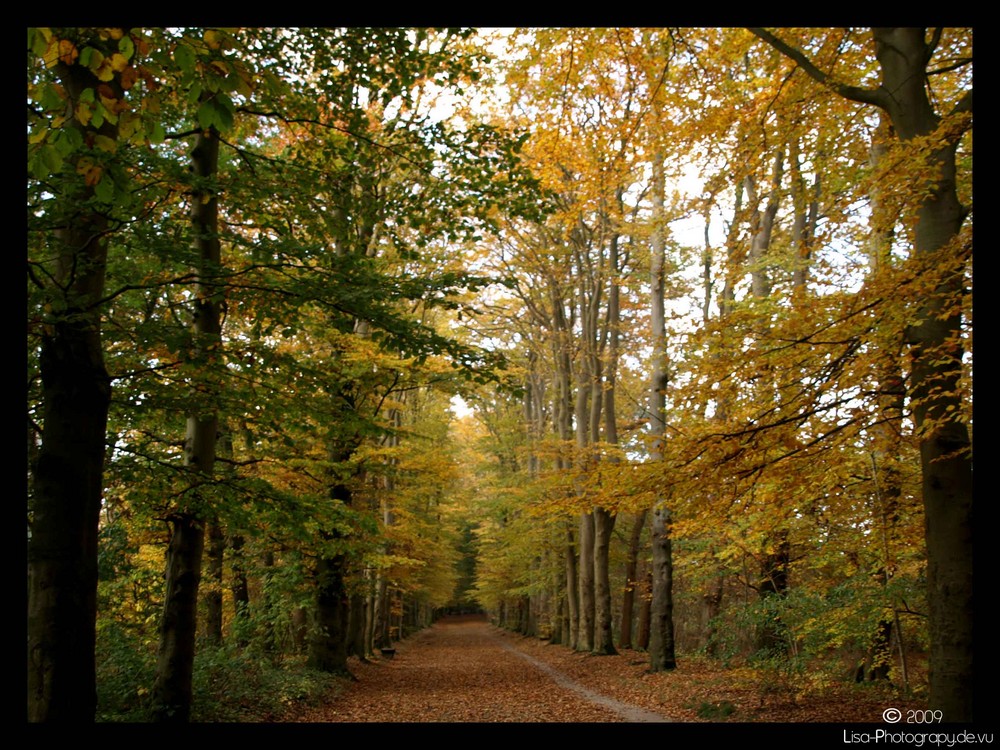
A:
466, 670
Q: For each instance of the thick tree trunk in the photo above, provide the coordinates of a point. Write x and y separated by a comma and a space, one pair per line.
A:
175, 663
935, 395
67, 477
936, 361
328, 640
604, 524
328, 643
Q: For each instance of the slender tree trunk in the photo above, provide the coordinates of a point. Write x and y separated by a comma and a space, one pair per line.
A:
240, 588
886, 448
644, 625
604, 521
172, 692
631, 581
572, 590
356, 626
712, 606
585, 573
661, 634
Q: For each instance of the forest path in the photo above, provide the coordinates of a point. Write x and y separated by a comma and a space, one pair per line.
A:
465, 670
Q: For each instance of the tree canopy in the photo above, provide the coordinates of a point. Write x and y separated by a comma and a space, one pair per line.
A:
704, 295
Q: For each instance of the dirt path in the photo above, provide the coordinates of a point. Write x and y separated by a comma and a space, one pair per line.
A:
464, 670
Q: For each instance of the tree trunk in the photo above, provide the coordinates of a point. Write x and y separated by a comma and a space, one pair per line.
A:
67, 478
935, 395
175, 664
712, 605
585, 573
936, 355
631, 581
172, 692
644, 624
328, 640
240, 588
214, 559
572, 591
661, 635
604, 524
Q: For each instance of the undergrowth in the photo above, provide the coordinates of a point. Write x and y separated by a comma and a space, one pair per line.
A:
229, 684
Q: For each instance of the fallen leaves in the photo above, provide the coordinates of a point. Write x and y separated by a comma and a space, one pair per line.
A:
460, 670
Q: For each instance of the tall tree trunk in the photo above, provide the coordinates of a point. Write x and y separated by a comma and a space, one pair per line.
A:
661, 634
935, 395
67, 477
886, 447
585, 576
356, 626
585, 539
711, 607
936, 354
572, 590
604, 521
172, 691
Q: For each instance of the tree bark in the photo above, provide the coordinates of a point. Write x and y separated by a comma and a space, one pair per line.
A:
67, 478
172, 691
175, 663
936, 354
661, 634
604, 524
214, 559
631, 581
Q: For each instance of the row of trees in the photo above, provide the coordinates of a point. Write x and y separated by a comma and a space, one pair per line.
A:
799, 412
250, 301
240, 245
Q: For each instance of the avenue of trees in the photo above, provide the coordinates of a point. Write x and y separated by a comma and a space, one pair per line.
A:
707, 293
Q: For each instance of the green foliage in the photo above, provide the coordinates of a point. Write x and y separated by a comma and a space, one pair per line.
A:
235, 686
716, 711
126, 665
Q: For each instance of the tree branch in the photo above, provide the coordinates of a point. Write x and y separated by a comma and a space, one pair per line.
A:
853, 93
